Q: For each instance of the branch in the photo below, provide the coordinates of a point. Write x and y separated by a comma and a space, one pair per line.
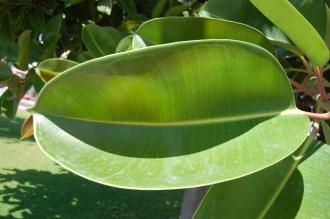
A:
326, 68
316, 116
301, 88
319, 78
296, 70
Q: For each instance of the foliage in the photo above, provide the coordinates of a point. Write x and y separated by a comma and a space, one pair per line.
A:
183, 102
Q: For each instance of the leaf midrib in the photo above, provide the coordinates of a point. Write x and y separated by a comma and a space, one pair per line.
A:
287, 112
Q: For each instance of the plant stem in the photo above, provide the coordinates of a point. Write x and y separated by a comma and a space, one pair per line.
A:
296, 70
306, 65
319, 78
301, 88
316, 116
326, 68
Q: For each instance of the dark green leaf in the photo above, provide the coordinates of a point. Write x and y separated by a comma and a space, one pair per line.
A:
69, 3
128, 6
53, 26
98, 40
24, 42
158, 9
9, 51
177, 10
5, 72
49, 46
37, 20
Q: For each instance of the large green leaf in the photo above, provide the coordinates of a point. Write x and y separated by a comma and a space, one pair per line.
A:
284, 15
50, 68
173, 29
171, 116
280, 191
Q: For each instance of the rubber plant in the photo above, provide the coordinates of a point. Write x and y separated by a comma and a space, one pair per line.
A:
197, 102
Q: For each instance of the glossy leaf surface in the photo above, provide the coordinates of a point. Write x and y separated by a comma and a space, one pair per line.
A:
284, 15
280, 191
172, 116
173, 29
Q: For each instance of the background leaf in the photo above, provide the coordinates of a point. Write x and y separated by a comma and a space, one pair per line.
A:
174, 29
24, 42
304, 194
302, 33
50, 68
94, 38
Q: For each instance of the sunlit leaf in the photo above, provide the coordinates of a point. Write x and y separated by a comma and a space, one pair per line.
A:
299, 30
172, 116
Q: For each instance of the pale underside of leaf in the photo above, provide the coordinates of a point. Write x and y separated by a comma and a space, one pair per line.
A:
171, 116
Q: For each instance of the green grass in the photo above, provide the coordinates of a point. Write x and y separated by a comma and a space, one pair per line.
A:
33, 186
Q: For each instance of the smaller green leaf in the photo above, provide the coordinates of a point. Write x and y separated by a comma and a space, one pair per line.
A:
50, 46
7, 104
50, 68
283, 14
6, 33
24, 42
98, 40
5, 72
53, 26
16, 19
104, 6
9, 50
125, 44
128, 6
69, 3
37, 20
38, 84
327, 32
177, 10
158, 9
85, 56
